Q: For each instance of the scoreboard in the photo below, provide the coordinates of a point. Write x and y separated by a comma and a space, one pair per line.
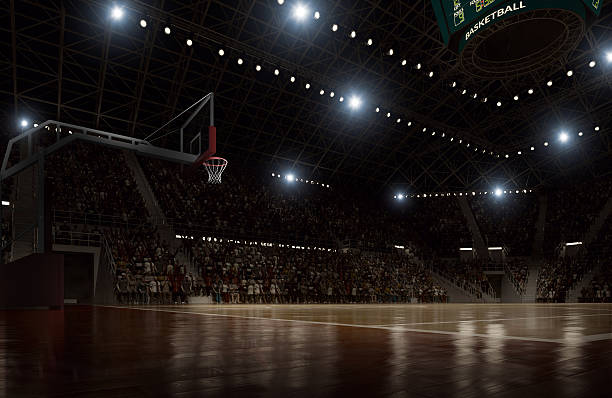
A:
460, 20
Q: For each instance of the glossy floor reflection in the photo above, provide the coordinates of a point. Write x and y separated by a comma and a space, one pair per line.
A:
335, 350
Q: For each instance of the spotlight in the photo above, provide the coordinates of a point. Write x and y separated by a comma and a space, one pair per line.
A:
290, 177
331, 94
516, 97
143, 23
24, 123
258, 68
117, 13
609, 56
388, 114
353, 34
322, 92
532, 148
391, 51
189, 42
280, 2
341, 99
498, 192
454, 84
464, 92
370, 42
530, 91
355, 102
307, 86
398, 121
570, 73
592, 64
419, 66
546, 143
377, 109
317, 15
334, 28
404, 62
292, 79
580, 134
300, 11
400, 196
596, 128
431, 74
221, 52
550, 83
276, 72
563, 137
167, 30
240, 61
499, 103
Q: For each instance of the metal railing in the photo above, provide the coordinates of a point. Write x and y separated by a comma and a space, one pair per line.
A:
76, 238
102, 220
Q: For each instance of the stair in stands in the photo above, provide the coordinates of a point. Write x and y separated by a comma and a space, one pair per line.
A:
532, 281
508, 291
481, 248
24, 216
538, 239
455, 293
597, 225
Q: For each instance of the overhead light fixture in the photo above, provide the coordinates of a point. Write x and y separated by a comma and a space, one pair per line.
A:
580, 134
596, 128
280, 2
532, 148
563, 137
307, 86
570, 73
240, 61
499, 103
592, 64
550, 83
167, 30
370, 42
498, 192
322, 92
276, 72
189, 42
292, 79
546, 143
341, 99
388, 114
355, 102
530, 91
609, 56
24, 123
353, 34
117, 13
334, 28
404, 62
300, 11
317, 15
390, 51
431, 74
258, 68
419, 66
377, 109
331, 94
143, 23
516, 97
221, 52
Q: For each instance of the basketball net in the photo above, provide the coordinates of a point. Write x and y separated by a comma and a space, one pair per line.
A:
215, 167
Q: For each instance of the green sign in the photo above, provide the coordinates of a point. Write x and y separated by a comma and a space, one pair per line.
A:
469, 17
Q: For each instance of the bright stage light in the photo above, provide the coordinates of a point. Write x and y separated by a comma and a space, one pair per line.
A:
240, 61
609, 56
592, 64
317, 15
280, 2
563, 137
355, 102
300, 11
570, 73
189, 42
221, 52
498, 192
117, 13
550, 83
400, 196
258, 68
353, 34
276, 72
24, 123
334, 28
530, 91
332, 94
290, 177
370, 42
167, 30
143, 23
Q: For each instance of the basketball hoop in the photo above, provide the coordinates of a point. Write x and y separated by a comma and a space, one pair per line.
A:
215, 167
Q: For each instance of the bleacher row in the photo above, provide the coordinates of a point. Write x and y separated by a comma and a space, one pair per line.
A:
91, 181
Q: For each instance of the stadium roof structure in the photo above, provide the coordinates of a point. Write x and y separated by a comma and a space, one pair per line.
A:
71, 61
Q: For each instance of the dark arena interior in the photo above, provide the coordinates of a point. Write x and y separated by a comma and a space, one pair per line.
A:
306, 198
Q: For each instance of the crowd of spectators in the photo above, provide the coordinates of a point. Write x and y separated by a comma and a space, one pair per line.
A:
507, 221
255, 273
599, 289
466, 275
558, 275
571, 211
89, 178
251, 206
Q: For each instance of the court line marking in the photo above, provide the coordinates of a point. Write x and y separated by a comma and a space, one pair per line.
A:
491, 320
396, 329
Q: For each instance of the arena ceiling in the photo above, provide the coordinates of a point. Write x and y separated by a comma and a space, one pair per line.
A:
70, 61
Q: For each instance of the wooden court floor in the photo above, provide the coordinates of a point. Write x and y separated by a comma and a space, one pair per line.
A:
460, 350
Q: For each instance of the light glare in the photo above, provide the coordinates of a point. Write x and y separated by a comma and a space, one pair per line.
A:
117, 13
300, 11
355, 102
